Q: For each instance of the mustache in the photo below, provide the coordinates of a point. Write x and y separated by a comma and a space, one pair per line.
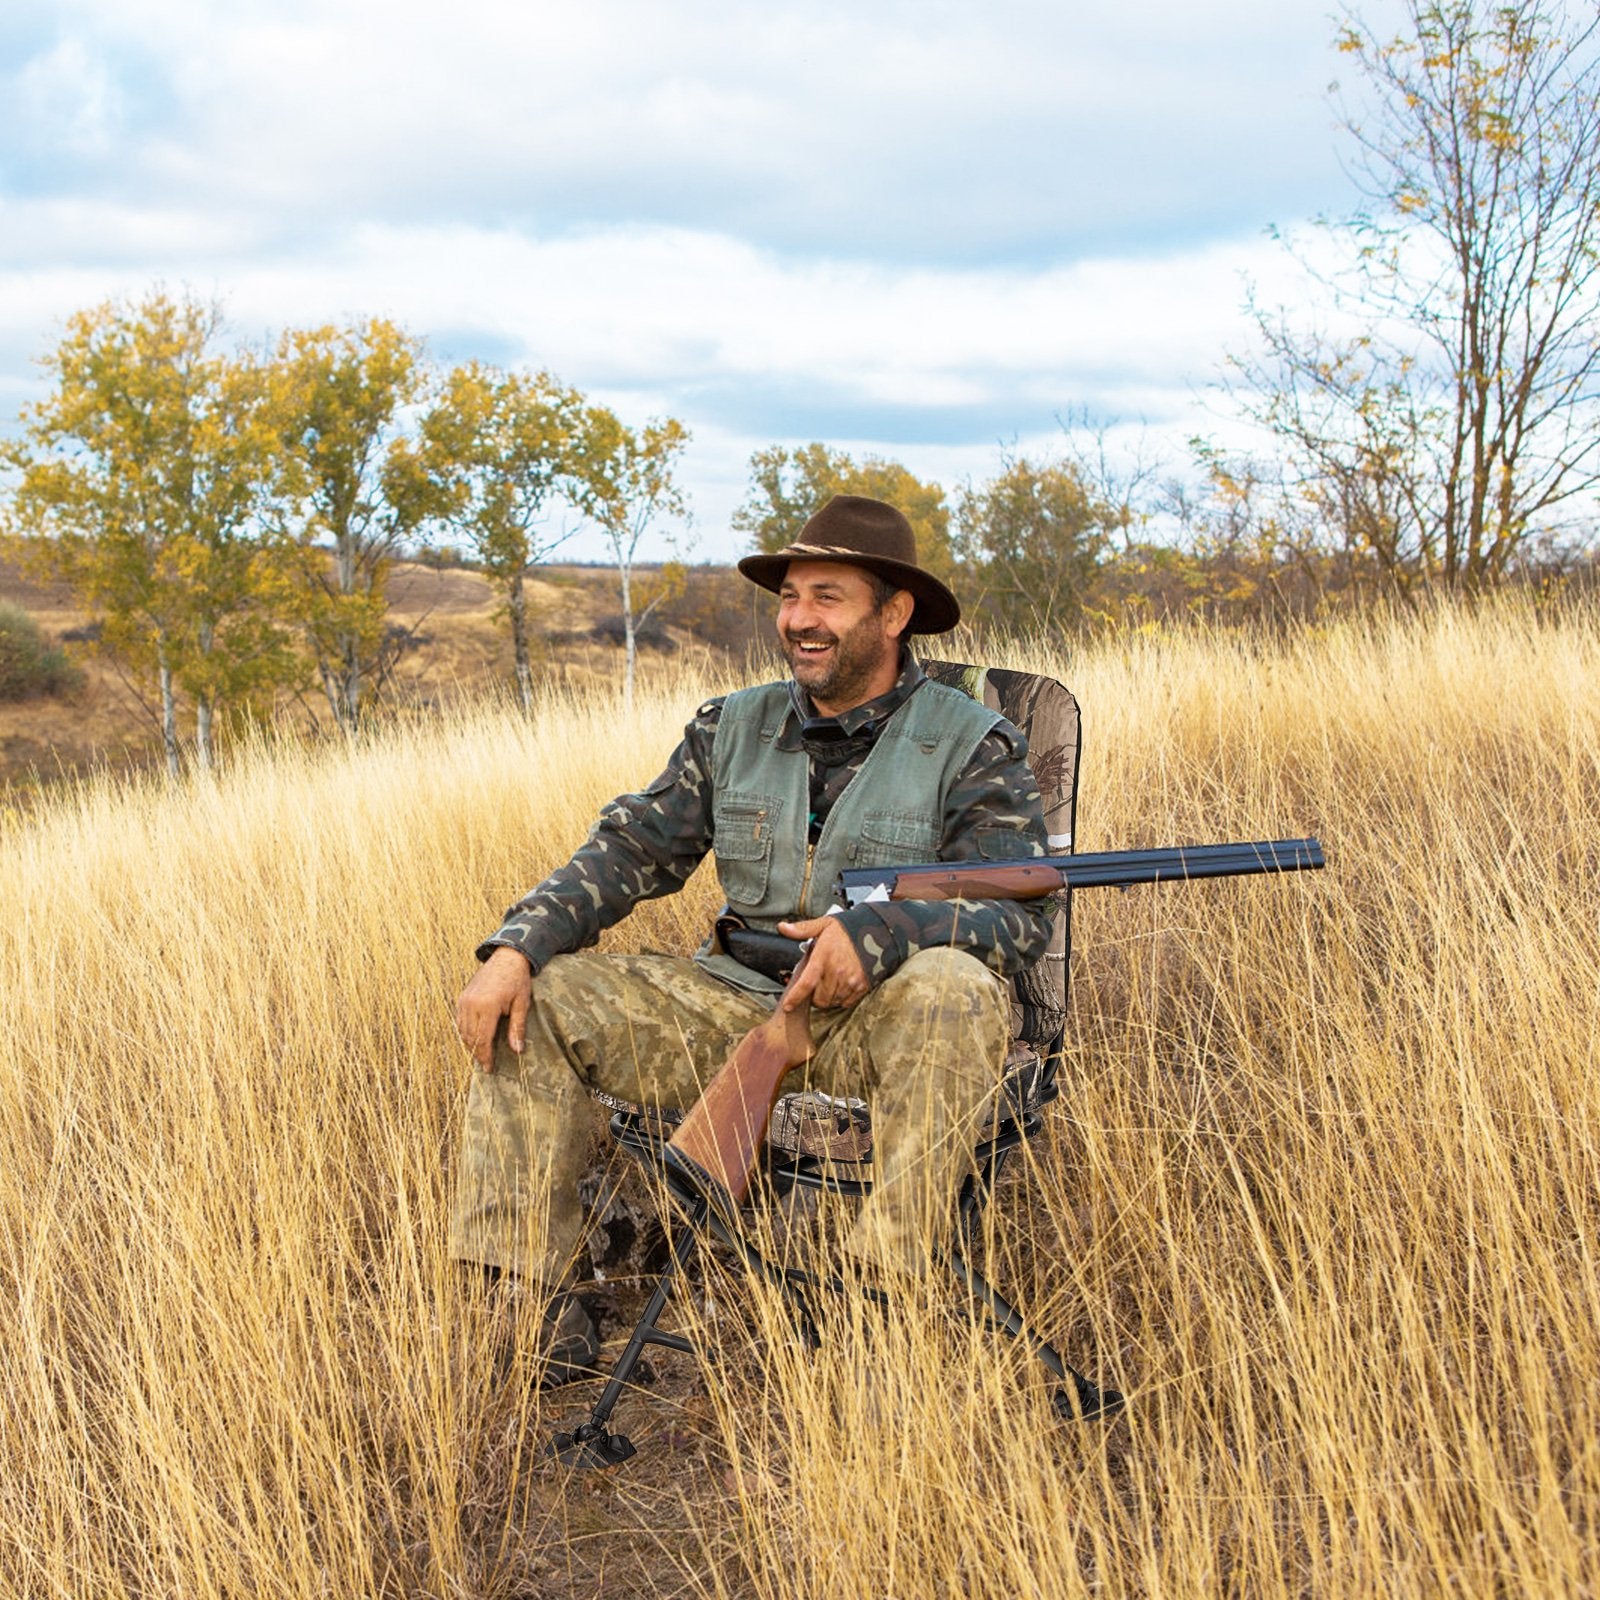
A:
812, 636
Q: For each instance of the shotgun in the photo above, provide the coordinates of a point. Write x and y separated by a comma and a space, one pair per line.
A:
713, 1151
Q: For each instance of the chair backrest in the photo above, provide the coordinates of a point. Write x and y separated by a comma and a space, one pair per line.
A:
1047, 715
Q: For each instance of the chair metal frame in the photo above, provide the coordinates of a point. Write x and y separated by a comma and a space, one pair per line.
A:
642, 1134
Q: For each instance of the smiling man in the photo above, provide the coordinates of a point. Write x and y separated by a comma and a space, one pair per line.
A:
856, 760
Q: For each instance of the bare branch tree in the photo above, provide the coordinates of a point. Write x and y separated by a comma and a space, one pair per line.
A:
1455, 417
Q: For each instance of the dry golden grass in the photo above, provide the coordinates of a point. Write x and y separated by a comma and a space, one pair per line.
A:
1322, 1193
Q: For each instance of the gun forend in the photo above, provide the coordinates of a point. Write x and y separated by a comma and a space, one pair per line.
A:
1030, 878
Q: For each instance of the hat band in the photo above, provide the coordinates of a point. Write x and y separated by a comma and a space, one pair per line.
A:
849, 552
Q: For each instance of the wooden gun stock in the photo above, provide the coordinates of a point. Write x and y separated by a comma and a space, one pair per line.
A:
715, 1147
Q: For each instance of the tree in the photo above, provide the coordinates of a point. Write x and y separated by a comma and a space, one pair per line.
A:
622, 480
1033, 537
140, 480
1458, 419
787, 486
499, 447
354, 482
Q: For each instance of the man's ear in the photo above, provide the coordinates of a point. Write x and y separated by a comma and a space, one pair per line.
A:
897, 611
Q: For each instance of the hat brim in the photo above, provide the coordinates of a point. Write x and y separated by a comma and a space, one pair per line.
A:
936, 609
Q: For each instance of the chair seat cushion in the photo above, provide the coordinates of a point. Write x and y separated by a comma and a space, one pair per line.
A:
816, 1124
835, 1128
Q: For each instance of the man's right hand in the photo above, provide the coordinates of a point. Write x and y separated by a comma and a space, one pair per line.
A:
499, 988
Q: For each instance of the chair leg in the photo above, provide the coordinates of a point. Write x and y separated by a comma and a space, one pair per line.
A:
1086, 1399
785, 1279
592, 1444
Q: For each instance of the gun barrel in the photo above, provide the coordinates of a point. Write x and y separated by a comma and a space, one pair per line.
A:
1039, 875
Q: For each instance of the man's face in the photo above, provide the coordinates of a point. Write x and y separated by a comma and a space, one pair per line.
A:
841, 648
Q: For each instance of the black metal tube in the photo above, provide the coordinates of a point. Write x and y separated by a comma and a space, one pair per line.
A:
682, 1252
1111, 868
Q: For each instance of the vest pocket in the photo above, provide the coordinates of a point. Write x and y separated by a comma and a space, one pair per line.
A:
895, 839
997, 842
742, 839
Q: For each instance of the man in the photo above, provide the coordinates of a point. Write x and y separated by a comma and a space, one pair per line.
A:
858, 760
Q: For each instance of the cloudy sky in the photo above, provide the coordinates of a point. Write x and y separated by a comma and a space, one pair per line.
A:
925, 230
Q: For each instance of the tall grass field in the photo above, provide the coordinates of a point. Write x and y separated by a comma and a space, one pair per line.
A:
1321, 1195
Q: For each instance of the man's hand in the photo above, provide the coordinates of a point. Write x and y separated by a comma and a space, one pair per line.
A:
499, 988
833, 977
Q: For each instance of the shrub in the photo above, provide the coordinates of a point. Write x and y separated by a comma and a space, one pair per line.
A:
29, 666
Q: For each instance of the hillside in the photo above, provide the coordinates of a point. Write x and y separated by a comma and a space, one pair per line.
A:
456, 645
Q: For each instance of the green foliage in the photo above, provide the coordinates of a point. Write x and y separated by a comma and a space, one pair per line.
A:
28, 666
1032, 538
788, 486
140, 479
353, 488
497, 446
623, 479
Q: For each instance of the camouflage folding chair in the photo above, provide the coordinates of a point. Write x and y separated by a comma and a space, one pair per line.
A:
822, 1144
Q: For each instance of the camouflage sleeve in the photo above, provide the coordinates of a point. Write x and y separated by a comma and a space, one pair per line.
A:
643, 846
992, 813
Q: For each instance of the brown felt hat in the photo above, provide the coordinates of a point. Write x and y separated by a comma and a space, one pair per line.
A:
865, 533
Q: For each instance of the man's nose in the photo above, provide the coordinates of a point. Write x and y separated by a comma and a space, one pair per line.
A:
798, 617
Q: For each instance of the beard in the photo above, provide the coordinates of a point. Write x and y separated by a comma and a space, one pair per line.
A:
843, 675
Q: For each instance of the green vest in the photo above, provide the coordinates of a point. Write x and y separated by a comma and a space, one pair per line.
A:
890, 814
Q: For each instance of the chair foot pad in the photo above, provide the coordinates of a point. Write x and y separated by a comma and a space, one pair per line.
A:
1088, 1403
590, 1446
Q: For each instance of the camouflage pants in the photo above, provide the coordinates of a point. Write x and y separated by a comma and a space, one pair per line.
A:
925, 1048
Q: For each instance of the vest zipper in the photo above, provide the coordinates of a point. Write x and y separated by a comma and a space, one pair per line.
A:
805, 882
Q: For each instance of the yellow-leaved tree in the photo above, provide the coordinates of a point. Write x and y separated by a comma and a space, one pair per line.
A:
1455, 414
1033, 537
622, 481
498, 446
139, 480
787, 486
355, 490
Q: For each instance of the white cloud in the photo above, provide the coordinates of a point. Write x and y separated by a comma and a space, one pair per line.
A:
670, 321
919, 228
73, 93
930, 130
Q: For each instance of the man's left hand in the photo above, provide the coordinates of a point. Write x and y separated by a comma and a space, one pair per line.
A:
833, 977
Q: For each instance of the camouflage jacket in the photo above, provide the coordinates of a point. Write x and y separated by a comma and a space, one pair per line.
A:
647, 844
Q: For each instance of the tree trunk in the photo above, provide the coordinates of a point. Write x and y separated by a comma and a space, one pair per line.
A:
332, 691
204, 704
341, 683
351, 683
204, 710
629, 643
169, 714
346, 695
517, 604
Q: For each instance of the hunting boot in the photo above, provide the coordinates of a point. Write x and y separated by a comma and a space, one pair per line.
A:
567, 1342
545, 1332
